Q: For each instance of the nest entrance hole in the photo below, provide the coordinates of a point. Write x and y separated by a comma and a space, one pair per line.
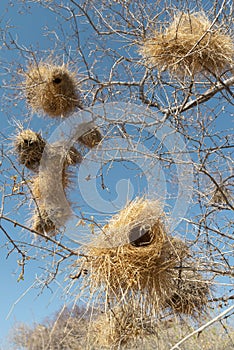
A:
57, 80
140, 236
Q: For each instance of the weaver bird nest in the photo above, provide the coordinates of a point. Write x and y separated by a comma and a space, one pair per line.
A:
30, 146
41, 220
52, 90
133, 257
190, 293
189, 45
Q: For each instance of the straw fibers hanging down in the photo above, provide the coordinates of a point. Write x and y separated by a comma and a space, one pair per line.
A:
52, 90
189, 294
123, 326
190, 45
41, 220
124, 265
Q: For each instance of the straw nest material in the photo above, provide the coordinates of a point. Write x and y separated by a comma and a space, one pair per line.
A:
189, 45
41, 221
91, 138
30, 146
190, 293
123, 326
133, 256
52, 89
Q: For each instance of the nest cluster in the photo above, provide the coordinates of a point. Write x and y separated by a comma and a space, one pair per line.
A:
29, 147
190, 45
133, 258
52, 90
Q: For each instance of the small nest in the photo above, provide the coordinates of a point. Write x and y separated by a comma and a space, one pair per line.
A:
190, 295
188, 46
91, 138
52, 90
30, 146
133, 257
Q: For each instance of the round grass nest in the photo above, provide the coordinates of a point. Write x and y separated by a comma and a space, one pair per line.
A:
30, 146
52, 90
190, 45
91, 138
133, 257
190, 293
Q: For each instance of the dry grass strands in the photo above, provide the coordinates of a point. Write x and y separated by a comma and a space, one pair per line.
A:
120, 267
52, 90
30, 146
41, 221
189, 45
190, 294
91, 138
123, 326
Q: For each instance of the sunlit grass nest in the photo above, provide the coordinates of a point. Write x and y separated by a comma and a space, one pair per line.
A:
190, 293
29, 146
133, 257
123, 326
52, 90
91, 138
41, 220
190, 45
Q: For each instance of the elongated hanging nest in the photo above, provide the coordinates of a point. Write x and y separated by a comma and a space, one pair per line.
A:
133, 257
190, 293
30, 146
189, 45
91, 138
41, 220
52, 90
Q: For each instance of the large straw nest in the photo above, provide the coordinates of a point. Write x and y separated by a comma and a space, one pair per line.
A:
52, 90
30, 146
190, 293
124, 263
91, 138
189, 45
